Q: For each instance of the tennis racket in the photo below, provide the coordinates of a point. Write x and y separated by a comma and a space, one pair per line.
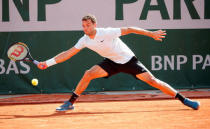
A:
20, 52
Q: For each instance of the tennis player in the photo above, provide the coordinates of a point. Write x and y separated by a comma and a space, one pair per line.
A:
118, 58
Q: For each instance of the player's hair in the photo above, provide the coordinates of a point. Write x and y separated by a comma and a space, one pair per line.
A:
89, 17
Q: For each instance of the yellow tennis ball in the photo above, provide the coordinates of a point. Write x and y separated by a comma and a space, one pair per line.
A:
34, 82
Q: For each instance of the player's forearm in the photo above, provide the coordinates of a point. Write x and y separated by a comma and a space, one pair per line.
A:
139, 31
63, 56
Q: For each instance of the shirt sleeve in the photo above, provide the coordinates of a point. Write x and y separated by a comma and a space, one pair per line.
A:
80, 44
113, 32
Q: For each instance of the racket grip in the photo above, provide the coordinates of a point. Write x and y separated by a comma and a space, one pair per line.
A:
35, 62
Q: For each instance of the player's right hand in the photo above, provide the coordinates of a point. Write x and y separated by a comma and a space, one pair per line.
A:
42, 65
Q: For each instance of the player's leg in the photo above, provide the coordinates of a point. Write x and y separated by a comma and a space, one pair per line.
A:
166, 88
93, 73
137, 69
151, 80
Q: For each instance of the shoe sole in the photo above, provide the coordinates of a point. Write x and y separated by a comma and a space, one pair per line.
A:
59, 110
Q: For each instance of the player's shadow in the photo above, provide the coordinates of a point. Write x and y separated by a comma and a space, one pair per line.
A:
69, 114
55, 114
163, 110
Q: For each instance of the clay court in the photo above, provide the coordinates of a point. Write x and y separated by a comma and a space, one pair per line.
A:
141, 111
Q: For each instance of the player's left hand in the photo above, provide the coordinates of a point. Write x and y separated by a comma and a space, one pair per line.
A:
158, 35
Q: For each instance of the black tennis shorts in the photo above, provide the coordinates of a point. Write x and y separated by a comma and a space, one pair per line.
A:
133, 67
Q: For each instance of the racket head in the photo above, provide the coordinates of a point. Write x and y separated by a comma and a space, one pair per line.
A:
18, 51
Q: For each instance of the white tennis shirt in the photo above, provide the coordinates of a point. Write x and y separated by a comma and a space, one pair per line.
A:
107, 44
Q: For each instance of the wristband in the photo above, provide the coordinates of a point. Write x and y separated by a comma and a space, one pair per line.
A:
51, 62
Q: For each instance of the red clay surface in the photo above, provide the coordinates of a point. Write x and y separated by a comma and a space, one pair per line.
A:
130, 111
142, 114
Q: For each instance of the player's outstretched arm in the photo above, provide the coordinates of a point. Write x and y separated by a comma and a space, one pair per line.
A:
63, 56
156, 35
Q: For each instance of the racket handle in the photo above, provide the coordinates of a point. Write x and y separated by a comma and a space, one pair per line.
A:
35, 62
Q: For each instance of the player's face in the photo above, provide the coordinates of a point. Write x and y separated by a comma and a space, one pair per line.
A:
88, 27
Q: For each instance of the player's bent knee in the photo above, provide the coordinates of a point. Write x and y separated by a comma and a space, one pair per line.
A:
89, 75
